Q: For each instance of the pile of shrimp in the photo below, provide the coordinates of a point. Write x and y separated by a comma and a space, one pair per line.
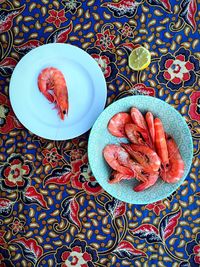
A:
151, 153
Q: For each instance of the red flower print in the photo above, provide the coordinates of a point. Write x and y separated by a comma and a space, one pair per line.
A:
178, 70
17, 226
76, 148
75, 257
51, 157
82, 177
196, 251
194, 109
7, 118
127, 31
16, 173
78, 254
156, 207
104, 40
56, 17
103, 62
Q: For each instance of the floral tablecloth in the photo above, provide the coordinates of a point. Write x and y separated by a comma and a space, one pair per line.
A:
52, 210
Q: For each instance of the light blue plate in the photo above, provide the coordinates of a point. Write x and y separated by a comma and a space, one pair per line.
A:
174, 125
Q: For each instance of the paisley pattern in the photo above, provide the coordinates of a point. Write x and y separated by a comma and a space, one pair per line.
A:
52, 210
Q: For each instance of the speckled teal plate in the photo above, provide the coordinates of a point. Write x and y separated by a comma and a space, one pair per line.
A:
174, 124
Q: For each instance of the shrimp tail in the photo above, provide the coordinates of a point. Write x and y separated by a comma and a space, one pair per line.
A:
141, 187
116, 177
49, 96
42, 85
151, 181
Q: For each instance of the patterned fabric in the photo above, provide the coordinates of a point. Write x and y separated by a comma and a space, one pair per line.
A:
52, 210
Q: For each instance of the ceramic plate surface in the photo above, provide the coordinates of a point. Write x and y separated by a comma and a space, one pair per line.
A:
86, 89
174, 125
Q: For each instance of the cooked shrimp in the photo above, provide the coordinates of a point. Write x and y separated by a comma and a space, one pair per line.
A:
53, 79
118, 159
137, 170
117, 123
160, 142
144, 155
152, 179
150, 123
174, 171
135, 134
116, 177
138, 118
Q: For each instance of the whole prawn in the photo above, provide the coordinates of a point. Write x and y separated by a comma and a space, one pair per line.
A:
144, 155
117, 123
174, 170
138, 118
52, 79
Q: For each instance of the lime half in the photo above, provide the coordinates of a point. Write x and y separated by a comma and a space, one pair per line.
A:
139, 59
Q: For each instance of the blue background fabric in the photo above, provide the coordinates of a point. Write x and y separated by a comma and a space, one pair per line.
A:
52, 210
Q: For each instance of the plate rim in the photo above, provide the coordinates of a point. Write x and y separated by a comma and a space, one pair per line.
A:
36, 130
115, 103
